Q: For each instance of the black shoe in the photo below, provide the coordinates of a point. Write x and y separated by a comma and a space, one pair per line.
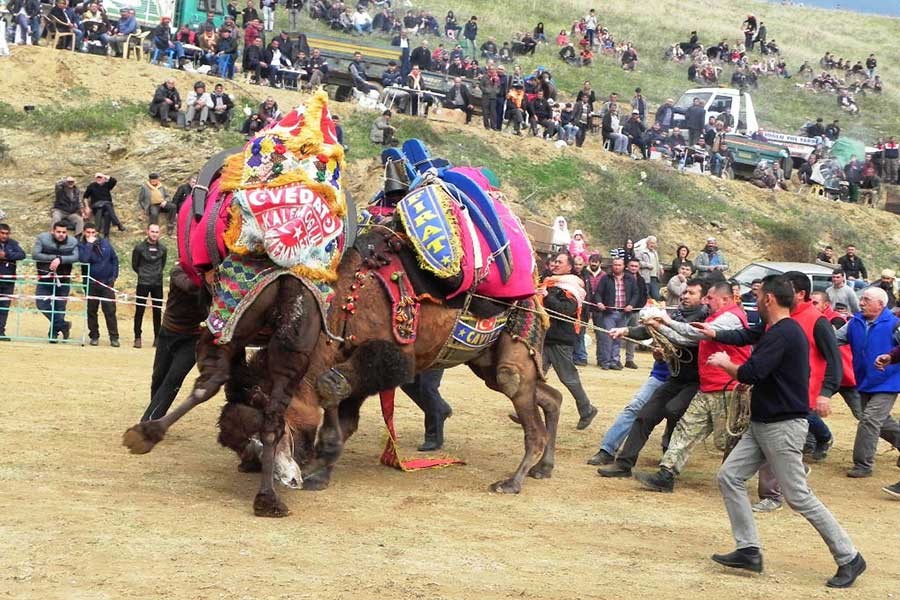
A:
630, 364
616, 366
4, 337
821, 451
601, 458
114, 342
616, 470
605, 367
430, 445
741, 559
661, 481
66, 329
94, 342
847, 574
585, 421
580, 363
859, 472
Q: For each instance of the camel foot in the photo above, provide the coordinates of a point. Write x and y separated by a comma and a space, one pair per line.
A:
540, 471
269, 505
507, 486
141, 438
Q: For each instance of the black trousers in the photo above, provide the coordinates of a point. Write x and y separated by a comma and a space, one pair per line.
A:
107, 305
174, 359
105, 216
6, 289
669, 401
145, 295
424, 390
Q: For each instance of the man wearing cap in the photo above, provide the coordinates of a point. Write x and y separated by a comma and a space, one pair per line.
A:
887, 284
154, 199
198, 104
711, 263
99, 197
68, 205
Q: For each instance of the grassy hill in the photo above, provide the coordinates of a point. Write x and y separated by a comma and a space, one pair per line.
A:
98, 122
803, 33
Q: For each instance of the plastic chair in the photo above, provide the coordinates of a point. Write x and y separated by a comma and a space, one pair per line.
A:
135, 43
170, 57
56, 35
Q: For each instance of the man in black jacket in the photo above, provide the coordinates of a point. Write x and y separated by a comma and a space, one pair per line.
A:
458, 98
421, 57
10, 254
615, 299
148, 260
694, 120
166, 103
634, 129
853, 268
559, 342
255, 60
99, 196
68, 205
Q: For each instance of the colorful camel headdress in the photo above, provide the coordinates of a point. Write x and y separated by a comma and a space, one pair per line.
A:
288, 198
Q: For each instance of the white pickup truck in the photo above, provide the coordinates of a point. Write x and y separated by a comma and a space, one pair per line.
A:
740, 115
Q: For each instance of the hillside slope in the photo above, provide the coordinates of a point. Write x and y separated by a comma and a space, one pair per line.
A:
608, 196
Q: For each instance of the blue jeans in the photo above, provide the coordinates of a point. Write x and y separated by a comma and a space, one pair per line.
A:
609, 348
818, 428
54, 305
617, 432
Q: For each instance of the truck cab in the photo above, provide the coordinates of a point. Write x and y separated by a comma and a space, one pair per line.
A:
183, 12
733, 107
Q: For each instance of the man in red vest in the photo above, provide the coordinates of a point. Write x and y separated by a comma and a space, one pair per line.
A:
706, 412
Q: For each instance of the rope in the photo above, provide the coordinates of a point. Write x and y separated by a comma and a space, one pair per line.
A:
737, 410
671, 354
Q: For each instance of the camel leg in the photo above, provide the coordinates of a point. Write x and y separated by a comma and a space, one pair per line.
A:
549, 399
295, 337
511, 371
214, 362
340, 424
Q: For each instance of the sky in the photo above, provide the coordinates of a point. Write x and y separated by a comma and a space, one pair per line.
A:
881, 7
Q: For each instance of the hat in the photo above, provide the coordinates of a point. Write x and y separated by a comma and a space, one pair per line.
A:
153, 176
888, 274
635, 112
711, 240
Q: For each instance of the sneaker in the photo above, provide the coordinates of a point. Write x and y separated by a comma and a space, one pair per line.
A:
114, 343
585, 421
821, 451
137, 342
767, 505
746, 558
892, 490
630, 364
94, 342
601, 458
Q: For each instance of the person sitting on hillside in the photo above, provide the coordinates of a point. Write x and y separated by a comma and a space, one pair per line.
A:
524, 44
515, 106
629, 58
166, 103
382, 131
585, 57
255, 60
65, 21
505, 54
567, 54
118, 35
198, 104
226, 53
221, 108
277, 61
634, 130
562, 39
489, 49
316, 67
392, 80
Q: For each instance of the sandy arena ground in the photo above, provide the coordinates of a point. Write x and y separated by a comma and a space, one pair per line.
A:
82, 518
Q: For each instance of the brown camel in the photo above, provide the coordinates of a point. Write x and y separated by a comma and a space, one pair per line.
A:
288, 310
341, 375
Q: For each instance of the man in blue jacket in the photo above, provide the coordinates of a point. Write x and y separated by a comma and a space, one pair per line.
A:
10, 253
871, 332
101, 281
55, 252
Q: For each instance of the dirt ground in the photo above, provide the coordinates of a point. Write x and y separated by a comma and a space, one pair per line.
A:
84, 519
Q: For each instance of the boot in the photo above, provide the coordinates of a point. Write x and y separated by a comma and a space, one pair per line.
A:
847, 574
661, 481
749, 559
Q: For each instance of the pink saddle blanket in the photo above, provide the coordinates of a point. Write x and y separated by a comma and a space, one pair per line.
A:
193, 235
521, 283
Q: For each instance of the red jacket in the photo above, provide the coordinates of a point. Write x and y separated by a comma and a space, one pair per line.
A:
806, 315
849, 378
714, 379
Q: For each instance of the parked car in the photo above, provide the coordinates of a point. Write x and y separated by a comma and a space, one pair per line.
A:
819, 276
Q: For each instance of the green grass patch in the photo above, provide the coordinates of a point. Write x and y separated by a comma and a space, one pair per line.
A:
93, 118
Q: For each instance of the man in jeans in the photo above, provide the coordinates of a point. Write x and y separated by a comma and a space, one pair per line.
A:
779, 372
148, 260
617, 295
10, 254
104, 270
870, 333
55, 252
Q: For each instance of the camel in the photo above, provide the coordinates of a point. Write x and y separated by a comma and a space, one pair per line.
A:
341, 375
267, 222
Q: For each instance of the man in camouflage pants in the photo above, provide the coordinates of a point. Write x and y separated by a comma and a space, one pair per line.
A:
706, 413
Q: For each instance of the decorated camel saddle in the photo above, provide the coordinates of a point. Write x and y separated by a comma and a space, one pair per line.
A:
276, 207
463, 247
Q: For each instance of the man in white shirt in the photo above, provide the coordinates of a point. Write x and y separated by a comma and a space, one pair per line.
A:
198, 104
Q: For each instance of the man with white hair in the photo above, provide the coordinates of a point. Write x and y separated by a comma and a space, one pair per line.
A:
872, 332
650, 268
